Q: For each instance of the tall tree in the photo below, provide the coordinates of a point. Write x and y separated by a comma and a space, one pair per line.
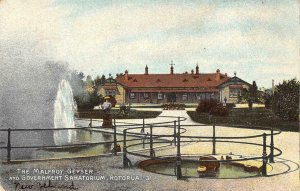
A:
285, 102
97, 81
77, 83
103, 78
89, 80
250, 95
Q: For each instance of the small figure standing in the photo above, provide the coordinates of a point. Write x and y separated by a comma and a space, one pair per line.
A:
106, 106
107, 119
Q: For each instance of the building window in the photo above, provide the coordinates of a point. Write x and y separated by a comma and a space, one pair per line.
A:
184, 96
146, 95
132, 95
110, 92
159, 96
234, 92
198, 96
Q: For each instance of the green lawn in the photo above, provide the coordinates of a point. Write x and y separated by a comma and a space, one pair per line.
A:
257, 118
133, 114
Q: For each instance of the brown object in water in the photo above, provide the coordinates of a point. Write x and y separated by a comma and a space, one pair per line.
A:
118, 148
249, 168
211, 164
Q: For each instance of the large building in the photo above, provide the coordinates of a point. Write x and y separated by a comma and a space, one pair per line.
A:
185, 88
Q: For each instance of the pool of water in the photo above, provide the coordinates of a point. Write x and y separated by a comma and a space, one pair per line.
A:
189, 169
82, 137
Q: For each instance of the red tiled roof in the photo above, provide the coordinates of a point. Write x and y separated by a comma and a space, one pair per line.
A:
167, 91
171, 80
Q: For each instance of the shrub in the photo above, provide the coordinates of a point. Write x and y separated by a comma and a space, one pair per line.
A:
268, 100
206, 106
173, 106
220, 110
285, 101
88, 101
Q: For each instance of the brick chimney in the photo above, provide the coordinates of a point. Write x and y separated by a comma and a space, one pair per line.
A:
192, 71
172, 68
126, 76
197, 69
146, 70
218, 77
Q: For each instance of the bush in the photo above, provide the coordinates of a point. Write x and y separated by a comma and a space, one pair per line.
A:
213, 107
88, 101
206, 106
285, 101
220, 110
173, 106
268, 100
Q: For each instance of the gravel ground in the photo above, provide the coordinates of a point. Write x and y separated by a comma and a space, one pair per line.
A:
109, 168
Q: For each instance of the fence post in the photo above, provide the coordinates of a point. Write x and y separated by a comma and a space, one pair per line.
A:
8, 145
175, 133
214, 139
125, 163
178, 156
264, 156
143, 128
151, 143
115, 137
271, 159
91, 122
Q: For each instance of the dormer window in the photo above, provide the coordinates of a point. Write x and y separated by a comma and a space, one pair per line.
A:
158, 80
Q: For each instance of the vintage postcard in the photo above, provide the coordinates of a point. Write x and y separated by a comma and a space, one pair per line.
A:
149, 95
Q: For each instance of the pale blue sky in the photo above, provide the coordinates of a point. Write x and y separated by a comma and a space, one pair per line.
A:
257, 39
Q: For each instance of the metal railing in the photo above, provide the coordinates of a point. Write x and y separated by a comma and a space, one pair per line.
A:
176, 138
181, 138
9, 145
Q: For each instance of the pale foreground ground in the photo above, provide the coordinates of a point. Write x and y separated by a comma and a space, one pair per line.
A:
288, 142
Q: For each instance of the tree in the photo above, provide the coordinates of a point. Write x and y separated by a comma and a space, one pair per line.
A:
85, 93
97, 81
89, 80
77, 83
119, 74
103, 79
267, 99
285, 102
250, 95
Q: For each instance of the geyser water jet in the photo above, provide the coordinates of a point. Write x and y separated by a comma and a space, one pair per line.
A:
64, 110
